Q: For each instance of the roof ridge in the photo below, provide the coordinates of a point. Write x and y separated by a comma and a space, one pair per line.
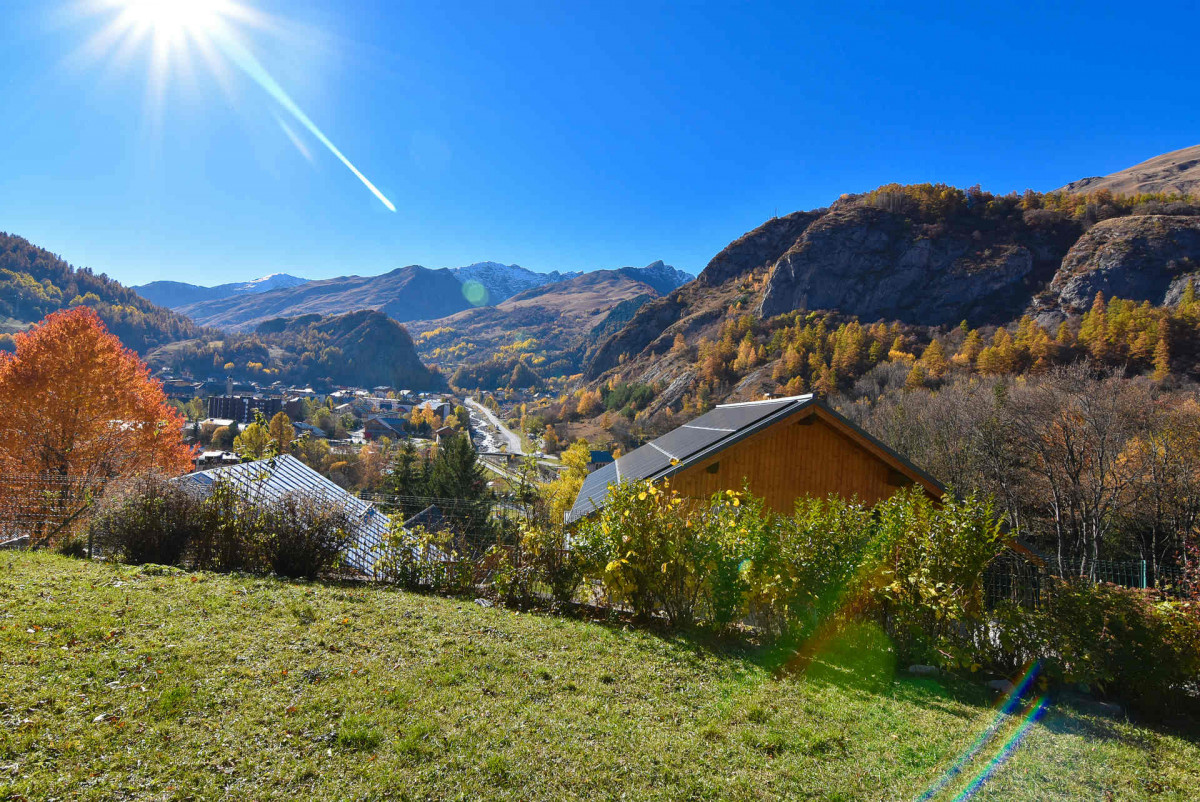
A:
803, 397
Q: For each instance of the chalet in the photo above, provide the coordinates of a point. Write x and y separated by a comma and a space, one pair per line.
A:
440, 407
384, 426
303, 428
215, 459
782, 449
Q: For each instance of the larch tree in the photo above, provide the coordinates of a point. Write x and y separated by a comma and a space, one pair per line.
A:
255, 441
80, 410
282, 432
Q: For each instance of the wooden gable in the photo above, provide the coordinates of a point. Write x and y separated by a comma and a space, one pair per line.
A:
811, 453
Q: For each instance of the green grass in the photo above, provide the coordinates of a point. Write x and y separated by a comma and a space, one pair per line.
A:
118, 684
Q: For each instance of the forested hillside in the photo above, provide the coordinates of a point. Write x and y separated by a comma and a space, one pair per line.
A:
364, 348
35, 282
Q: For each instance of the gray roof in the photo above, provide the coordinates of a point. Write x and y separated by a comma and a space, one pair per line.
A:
275, 477
699, 439
431, 518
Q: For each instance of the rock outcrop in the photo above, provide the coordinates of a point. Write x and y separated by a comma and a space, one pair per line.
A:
877, 264
1142, 258
758, 248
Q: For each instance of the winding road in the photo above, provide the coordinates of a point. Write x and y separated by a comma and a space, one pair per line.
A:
501, 432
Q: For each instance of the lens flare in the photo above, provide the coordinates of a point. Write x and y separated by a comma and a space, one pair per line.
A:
1009, 704
173, 26
1035, 713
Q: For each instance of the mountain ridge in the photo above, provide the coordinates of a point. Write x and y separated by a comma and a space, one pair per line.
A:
406, 293
927, 255
174, 294
1177, 173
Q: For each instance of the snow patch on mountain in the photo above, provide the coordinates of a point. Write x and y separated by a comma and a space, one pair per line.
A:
504, 281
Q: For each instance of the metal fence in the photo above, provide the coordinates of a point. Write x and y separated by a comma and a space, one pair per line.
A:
1017, 579
36, 509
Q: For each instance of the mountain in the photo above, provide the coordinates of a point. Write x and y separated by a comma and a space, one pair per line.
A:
504, 281
923, 256
662, 277
35, 282
363, 348
406, 293
174, 294
554, 323
1174, 173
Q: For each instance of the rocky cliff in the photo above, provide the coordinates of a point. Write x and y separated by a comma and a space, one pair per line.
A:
874, 263
1143, 258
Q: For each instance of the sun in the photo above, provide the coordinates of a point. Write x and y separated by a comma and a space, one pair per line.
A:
172, 20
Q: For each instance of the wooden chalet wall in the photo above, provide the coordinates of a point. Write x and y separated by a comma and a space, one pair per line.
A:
808, 454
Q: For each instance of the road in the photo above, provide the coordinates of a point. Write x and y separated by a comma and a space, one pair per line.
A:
497, 436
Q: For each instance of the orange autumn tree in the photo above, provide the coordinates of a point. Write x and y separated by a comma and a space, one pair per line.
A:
78, 410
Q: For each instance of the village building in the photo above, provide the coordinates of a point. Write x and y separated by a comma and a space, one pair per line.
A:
779, 449
390, 426
243, 408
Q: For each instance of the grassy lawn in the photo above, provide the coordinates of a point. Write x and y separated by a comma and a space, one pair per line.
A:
118, 684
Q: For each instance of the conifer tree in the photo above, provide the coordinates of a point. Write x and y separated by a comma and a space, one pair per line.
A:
916, 377
934, 360
1162, 352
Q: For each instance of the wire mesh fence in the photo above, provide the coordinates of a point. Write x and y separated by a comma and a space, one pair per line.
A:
39, 509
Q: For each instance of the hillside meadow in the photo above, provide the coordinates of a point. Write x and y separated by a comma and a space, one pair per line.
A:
121, 682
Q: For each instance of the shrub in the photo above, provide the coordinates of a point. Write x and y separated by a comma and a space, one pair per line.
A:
930, 561
803, 569
155, 520
228, 539
149, 519
72, 546
554, 560
1121, 642
302, 537
646, 540
418, 559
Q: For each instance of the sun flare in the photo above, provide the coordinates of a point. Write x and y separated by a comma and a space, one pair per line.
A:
175, 28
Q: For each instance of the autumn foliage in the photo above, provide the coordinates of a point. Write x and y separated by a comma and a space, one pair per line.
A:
81, 409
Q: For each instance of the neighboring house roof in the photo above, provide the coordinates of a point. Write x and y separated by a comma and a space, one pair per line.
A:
315, 431
600, 457
271, 479
431, 518
392, 422
713, 432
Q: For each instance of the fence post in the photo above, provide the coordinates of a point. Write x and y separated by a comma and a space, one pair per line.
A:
1143, 574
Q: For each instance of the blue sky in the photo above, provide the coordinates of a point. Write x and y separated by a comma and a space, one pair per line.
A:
556, 136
